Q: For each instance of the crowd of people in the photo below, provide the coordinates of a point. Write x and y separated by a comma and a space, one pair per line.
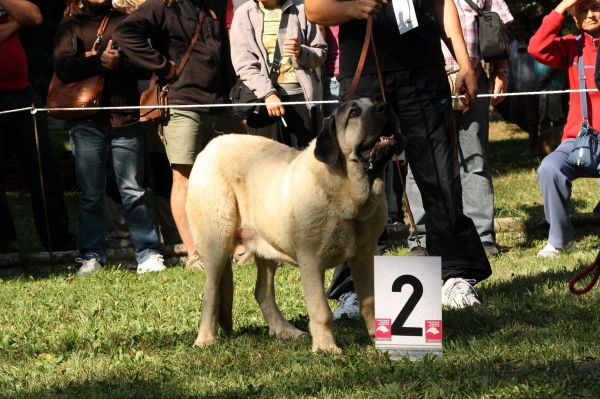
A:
298, 51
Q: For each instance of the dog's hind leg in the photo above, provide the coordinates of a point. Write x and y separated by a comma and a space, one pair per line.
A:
264, 294
226, 299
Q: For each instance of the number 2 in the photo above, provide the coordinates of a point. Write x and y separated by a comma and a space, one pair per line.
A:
398, 324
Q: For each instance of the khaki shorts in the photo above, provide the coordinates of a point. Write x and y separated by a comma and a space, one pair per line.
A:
186, 134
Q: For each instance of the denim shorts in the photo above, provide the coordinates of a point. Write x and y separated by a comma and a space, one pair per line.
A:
186, 133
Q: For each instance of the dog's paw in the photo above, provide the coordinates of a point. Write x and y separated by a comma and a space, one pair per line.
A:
287, 334
204, 342
330, 349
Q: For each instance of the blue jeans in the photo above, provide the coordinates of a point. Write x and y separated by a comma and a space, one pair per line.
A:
331, 91
91, 144
476, 179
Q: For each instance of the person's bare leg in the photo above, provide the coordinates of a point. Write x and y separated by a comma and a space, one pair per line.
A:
181, 175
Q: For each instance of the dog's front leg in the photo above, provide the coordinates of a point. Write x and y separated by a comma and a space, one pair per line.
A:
321, 318
361, 267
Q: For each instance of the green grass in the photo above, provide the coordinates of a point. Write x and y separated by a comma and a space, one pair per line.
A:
119, 335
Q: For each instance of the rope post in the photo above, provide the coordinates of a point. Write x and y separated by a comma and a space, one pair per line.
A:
39, 157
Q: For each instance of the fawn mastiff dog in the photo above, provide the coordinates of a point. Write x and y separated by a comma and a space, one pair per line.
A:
314, 208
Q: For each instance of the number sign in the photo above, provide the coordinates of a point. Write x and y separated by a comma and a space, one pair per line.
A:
408, 305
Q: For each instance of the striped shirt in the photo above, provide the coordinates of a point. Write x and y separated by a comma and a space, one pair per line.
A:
468, 22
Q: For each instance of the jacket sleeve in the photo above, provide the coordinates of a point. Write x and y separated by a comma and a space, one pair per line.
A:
246, 63
546, 47
67, 66
314, 50
133, 34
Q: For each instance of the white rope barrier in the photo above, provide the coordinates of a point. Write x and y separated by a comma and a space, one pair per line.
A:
34, 110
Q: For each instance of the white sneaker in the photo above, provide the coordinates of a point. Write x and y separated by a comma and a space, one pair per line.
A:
349, 307
459, 293
550, 252
89, 264
154, 263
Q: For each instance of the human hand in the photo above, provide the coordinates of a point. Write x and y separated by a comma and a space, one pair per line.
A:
566, 6
8, 28
273, 108
291, 46
363, 8
110, 57
498, 85
466, 83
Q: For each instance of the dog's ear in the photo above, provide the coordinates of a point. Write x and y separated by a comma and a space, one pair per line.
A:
327, 149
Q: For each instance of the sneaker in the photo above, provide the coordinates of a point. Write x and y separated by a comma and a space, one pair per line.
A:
550, 252
194, 262
490, 249
348, 308
459, 293
154, 263
418, 251
89, 264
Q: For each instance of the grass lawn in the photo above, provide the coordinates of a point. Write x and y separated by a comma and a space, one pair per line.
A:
119, 335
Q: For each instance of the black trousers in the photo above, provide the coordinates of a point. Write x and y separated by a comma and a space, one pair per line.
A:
17, 135
421, 99
301, 124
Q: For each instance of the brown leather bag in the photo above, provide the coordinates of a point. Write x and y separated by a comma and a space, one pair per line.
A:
156, 94
82, 94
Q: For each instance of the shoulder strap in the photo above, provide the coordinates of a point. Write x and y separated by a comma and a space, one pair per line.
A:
276, 64
475, 7
192, 44
101, 31
582, 85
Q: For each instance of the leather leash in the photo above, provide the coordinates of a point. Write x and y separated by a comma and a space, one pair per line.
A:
369, 39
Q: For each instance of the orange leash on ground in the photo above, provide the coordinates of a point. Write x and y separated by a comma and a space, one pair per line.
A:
584, 273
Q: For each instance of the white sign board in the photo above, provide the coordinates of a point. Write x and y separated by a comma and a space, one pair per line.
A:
408, 305
405, 15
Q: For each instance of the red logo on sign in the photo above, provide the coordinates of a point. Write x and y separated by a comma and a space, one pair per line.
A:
383, 329
433, 331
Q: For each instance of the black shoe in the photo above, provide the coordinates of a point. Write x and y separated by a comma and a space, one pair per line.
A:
490, 249
418, 251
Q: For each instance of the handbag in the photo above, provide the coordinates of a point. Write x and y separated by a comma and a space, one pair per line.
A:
493, 40
242, 94
585, 154
82, 94
156, 94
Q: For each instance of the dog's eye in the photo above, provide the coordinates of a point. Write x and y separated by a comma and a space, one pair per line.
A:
354, 112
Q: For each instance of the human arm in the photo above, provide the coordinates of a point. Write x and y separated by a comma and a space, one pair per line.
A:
448, 23
23, 11
334, 12
314, 50
545, 45
132, 36
498, 82
7, 28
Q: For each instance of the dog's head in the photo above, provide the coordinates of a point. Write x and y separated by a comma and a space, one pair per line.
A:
361, 132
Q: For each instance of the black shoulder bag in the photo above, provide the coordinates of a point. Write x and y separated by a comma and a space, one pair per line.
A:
493, 40
241, 94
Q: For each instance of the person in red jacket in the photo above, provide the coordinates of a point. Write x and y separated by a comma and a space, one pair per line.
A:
555, 175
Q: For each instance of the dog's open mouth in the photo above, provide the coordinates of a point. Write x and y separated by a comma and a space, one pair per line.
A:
376, 150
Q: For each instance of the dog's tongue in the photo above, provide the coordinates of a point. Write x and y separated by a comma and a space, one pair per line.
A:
382, 140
